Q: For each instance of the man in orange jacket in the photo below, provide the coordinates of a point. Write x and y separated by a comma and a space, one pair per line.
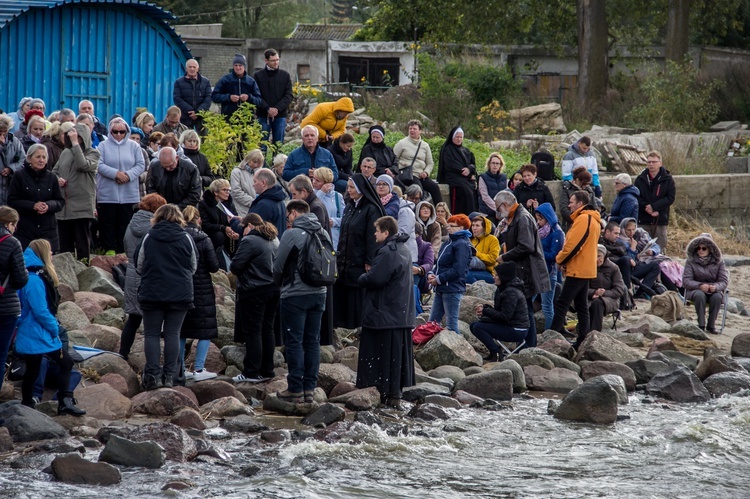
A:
578, 259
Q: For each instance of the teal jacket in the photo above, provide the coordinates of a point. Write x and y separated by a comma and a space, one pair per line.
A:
37, 327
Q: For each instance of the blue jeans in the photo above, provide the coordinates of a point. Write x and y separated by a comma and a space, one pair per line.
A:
300, 325
7, 326
50, 370
473, 276
276, 126
548, 301
447, 304
200, 355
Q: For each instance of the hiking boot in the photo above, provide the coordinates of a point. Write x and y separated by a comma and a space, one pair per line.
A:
168, 383
151, 382
291, 397
309, 397
68, 406
494, 357
203, 375
29, 403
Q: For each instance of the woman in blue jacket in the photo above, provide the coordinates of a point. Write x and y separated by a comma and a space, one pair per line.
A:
552, 238
449, 276
38, 330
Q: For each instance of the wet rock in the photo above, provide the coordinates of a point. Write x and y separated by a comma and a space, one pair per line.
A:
741, 345
225, 407
519, 379
176, 442
103, 336
212, 389
127, 453
559, 347
110, 363
678, 384
531, 359
71, 316
326, 414
368, 418
342, 388
428, 412
552, 406
660, 345
359, 400
618, 385
727, 383
243, 424
6, 441
483, 290
188, 418
497, 385
26, 424
645, 369
600, 367
600, 346
743, 361
72, 468
443, 401
161, 402
675, 357
115, 381
595, 401
100, 281
466, 398
331, 375
421, 377
556, 380
557, 360
178, 485
717, 364
447, 348
102, 401
275, 436
79, 425
60, 446
418, 392
348, 356
113, 317
688, 329
273, 404
67, 267
451, 372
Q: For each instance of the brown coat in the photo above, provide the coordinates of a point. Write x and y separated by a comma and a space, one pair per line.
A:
608, 277
712, 272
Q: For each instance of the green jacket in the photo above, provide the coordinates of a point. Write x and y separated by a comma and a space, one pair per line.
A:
78, 165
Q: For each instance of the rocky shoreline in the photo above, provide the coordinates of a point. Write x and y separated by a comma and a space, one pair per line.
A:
126, 428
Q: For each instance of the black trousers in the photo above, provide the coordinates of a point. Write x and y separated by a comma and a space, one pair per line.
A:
596, 314
113, 221
33, 362
255, 319
647, 273
574, 291
75, 237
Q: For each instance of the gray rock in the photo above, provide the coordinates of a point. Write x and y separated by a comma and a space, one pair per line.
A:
636, 340
483, 290
531, 359
443, 401
175, 441
348, 356
519, 379
161, 402
72, 468
243, 424
428, 412
272, 403
418, 392
678, 384
71, 316
326, 355
127, 453
549, 335
600, 346
727, 383
100, 281
112, 363
741, 345
103, 336
213, 389
556, 380
559, 347
447, 348
226, 337
472, 340
466, 311
675, 357
225, 316
473, 370
188, 418
466, 398
225, 407
660, 345
368, 418
276, 436
595, 401
26, 424
113, 317
58, 446
688, 329
326, 414
331, 375
744, 362
451, 372
654, 324
497, 385
600, 367
618, 385
736, 260
102, 401
234, 355
67, 268
736, 306
420, 377
645, 369
717, 364
557, 360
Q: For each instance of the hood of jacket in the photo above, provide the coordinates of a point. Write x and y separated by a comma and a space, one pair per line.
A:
85, 133
516, 282
307, 221
707, 240
465, 234
663, 174
487, 227
575, 150
140, 224
210, 198
631, 189
274, 193
546, 210
111, 138
625, 222
433, 215
195, 232
344, 104
403, 202
31, 259
166, 232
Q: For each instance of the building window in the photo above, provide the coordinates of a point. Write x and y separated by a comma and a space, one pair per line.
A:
303, 73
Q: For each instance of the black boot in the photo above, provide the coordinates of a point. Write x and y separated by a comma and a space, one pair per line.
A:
494, 357
151, 382
68, 406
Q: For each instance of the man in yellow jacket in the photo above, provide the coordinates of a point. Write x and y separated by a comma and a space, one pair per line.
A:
578, 260
330, 119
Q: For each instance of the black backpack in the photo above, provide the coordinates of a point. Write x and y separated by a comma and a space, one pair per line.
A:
316, 262
545, 165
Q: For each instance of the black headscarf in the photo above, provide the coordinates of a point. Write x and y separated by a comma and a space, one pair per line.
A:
369, 137
368, 191
451, 154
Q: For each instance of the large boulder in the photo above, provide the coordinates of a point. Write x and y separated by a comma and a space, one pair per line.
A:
519, 379
741, 345
531, 359
128, 453
100, 281
646, 324
645, 369
595, 401
483, 290
688, 329
161, 402
678, 384
418, 392
542, 118
601, 367
421, 377
176, 442
428, 412
71, 316
618, 385
717, 364
103, 301
72, 468
447, 348
111, 363
274, 404
225, 407
188, 418
495, 384
660, 345
727, 383
556, 380
453, 373
106, 262
467, 309
359, 400
67, 268
112, 317
103, 337
102, 401
212, 389
600, 346
557, 360
348, 356
330, 375
560, 347
26, 424
325, 415
214, 362
225, 316
675, 357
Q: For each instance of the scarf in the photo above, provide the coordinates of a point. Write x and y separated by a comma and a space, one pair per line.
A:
544, 231
384, 199
703, 260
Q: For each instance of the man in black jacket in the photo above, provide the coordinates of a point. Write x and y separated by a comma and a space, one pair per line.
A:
276, 92
192, 94
176, 179
657, 193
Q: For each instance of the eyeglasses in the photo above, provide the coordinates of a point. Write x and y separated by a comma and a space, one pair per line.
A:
702, 248
225, 190
119, 132
382, 184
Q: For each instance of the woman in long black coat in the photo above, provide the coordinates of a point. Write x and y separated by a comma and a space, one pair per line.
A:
219, 220
385, 344
356, 250
35, 193
200, 322
457, 168
375, 148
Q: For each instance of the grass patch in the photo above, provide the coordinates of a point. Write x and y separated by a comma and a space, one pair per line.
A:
684, 228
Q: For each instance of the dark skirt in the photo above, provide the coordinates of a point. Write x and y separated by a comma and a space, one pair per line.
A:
386, 360
347, 305
463, 199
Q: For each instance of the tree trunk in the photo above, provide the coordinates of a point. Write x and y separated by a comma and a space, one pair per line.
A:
678, 25
593, 67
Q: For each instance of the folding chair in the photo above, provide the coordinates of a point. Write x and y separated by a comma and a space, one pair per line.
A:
507, 350
616, 316
724, 306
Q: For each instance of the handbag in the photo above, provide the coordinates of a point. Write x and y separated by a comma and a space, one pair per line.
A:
425, 332
406, 174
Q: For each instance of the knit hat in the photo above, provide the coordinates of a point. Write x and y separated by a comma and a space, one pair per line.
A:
601, 249
32, 112
135, 129
239, 59
387, 179
506, 271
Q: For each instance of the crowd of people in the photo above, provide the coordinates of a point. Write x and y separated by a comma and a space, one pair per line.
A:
145, 189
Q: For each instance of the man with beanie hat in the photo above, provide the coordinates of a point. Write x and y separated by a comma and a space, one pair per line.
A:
235, 88
508, 318
605, 290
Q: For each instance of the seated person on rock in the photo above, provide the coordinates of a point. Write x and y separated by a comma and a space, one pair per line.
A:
508, 319
642, 265
487, 248
605, 290
705, 279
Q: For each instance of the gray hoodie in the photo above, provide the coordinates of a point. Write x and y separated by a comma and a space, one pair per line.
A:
285, 266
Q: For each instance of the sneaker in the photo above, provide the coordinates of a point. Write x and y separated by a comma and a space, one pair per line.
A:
203, 375
150, 382
168, 383
189, 374
241, 378
291, 397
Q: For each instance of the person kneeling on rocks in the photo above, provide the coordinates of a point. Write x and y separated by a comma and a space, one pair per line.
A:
508, 319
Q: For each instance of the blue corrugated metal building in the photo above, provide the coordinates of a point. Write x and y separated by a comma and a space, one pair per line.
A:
120, 54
